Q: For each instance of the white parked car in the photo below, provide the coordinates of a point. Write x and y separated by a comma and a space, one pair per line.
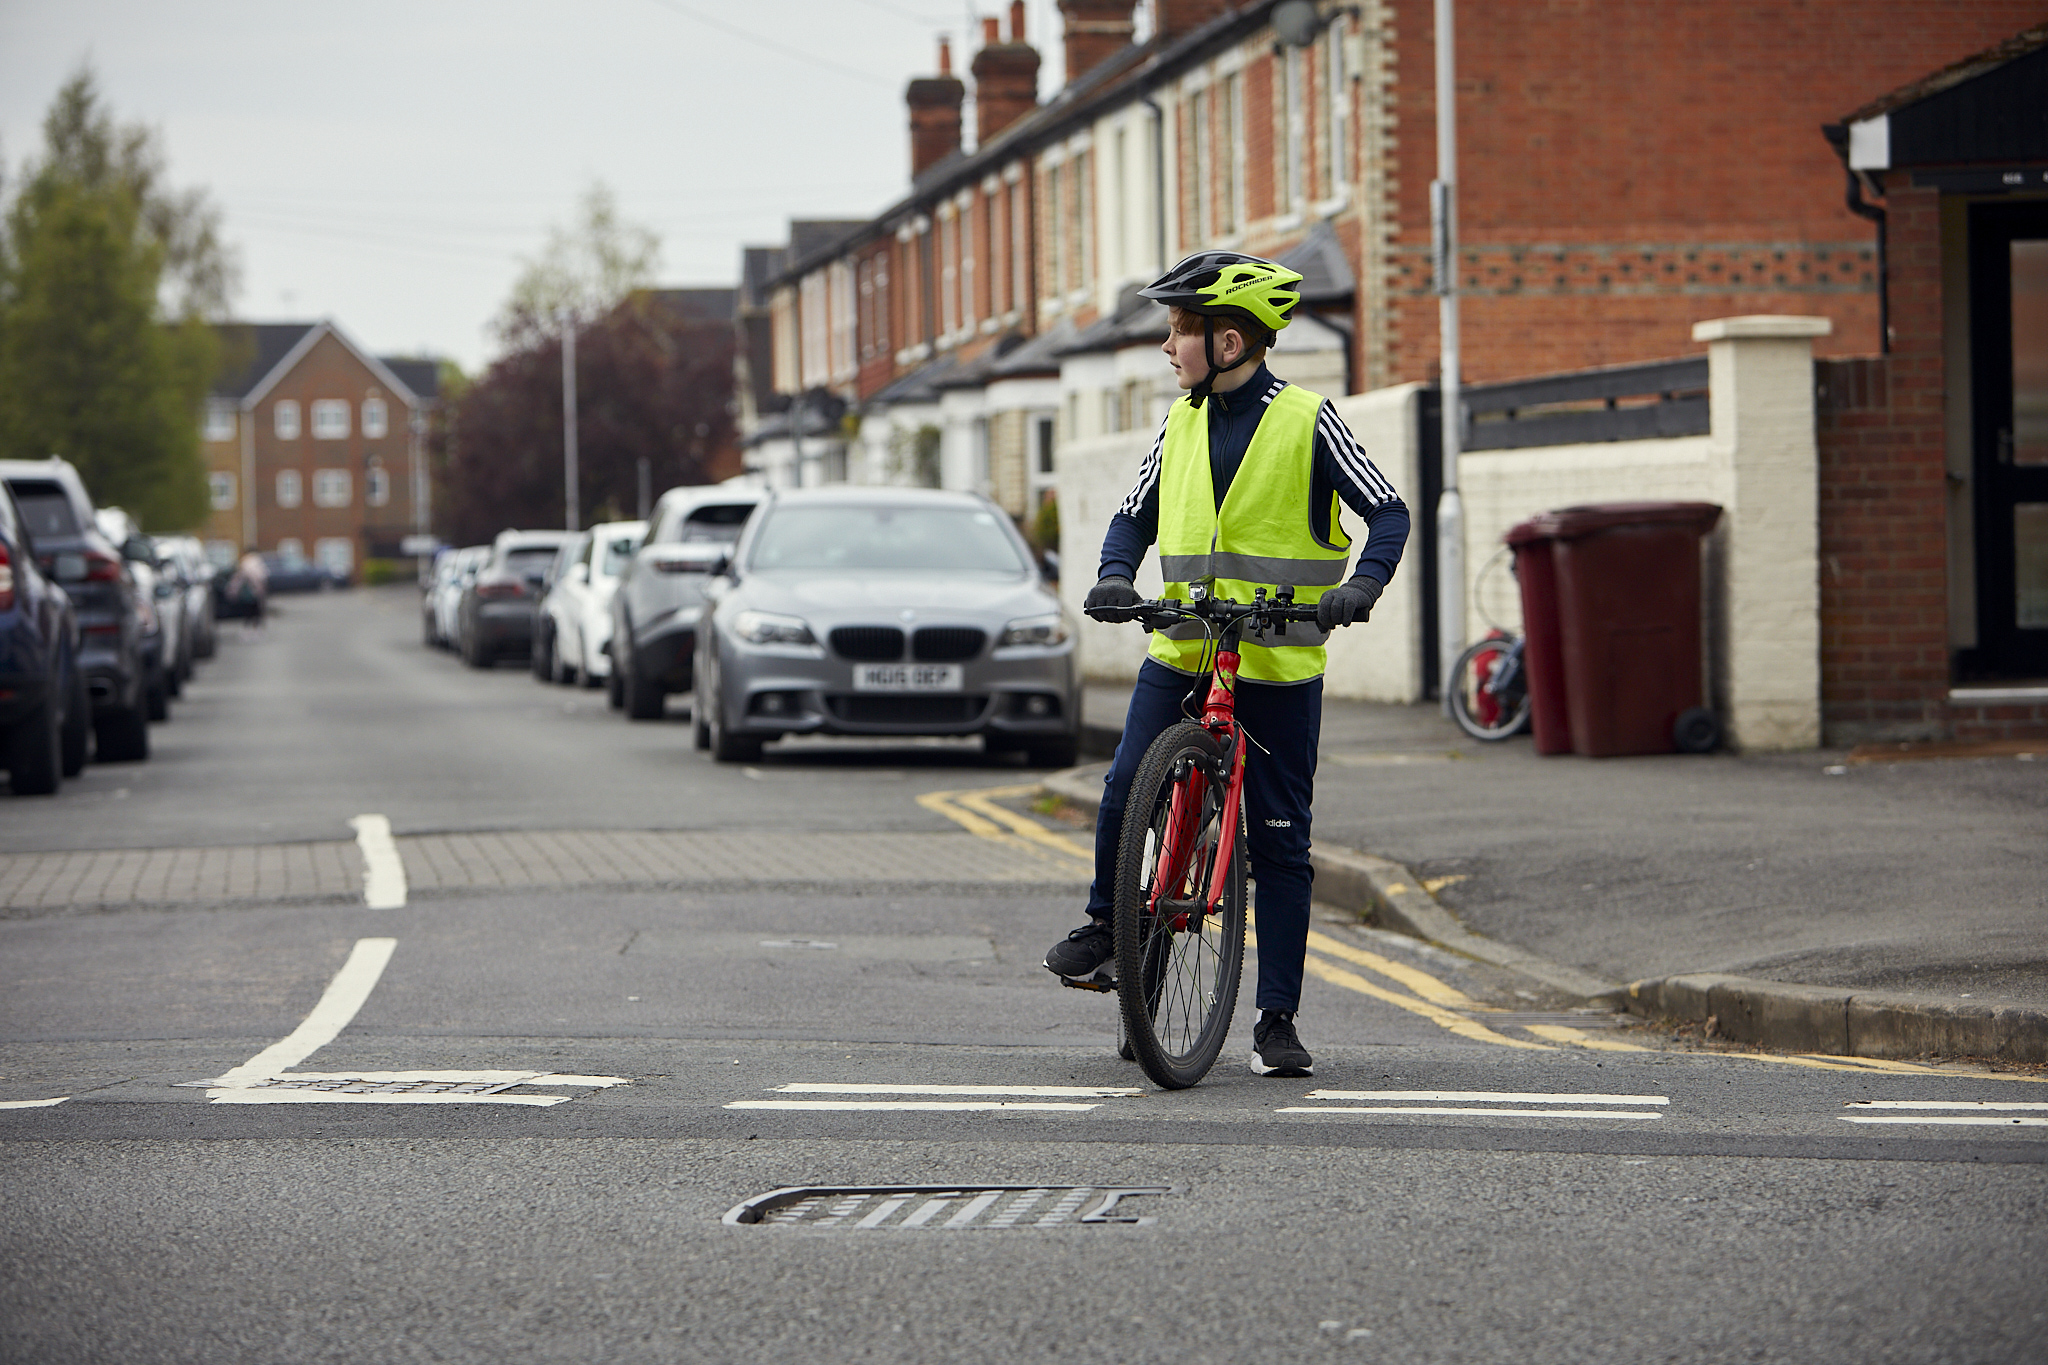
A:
461, 567
578, 606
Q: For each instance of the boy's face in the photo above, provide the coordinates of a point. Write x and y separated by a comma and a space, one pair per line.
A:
1183, 348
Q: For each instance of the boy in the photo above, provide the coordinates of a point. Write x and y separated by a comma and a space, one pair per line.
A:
1244, 479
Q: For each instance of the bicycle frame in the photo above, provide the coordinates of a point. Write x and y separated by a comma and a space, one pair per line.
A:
1176, 850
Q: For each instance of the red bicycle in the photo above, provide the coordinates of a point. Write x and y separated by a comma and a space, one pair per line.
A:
1181, 861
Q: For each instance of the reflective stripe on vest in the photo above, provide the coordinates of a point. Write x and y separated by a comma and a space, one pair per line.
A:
1262, 536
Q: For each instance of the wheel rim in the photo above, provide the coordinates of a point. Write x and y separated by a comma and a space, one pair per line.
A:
1185, 956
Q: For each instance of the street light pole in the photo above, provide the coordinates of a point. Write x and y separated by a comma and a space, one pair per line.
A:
574, 511
1450, 509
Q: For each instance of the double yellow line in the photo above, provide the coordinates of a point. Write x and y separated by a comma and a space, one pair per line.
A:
977, 812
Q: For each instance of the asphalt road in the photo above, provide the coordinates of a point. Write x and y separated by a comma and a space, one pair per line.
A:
1472, 1175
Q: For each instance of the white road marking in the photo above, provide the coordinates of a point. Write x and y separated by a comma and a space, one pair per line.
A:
1953, 1120
1478, 1112
383, 869
32, 1104
1075, 1091
344, 996
957, 1106
1968, 1105
337, 1008
1482, 1097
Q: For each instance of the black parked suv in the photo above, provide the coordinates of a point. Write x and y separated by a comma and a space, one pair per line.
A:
44, 710
58, 516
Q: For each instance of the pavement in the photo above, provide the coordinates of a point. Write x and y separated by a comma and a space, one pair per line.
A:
1881, 903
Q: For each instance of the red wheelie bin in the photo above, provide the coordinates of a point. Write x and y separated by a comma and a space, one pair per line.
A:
1611, 599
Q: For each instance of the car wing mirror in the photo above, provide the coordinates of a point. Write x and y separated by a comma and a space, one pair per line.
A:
580, 571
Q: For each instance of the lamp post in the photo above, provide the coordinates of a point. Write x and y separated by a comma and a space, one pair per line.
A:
1450, 508
573, 517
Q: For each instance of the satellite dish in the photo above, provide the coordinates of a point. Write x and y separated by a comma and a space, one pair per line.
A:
1296, 23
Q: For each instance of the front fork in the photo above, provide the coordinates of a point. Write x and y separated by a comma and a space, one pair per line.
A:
1177, 849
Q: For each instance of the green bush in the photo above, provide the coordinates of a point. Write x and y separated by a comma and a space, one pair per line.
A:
378, 572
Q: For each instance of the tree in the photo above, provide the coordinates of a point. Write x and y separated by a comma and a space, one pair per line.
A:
584, 271
107, 280
653, 383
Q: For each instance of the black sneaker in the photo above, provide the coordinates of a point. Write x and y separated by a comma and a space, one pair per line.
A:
1081, 952
1276, 1050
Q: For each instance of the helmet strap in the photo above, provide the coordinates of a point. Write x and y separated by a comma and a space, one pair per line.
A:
1201, 391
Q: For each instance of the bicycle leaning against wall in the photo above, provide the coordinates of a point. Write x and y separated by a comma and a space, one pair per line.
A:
1489, 684
1181, 867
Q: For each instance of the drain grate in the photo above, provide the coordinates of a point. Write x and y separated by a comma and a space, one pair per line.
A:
864, 1207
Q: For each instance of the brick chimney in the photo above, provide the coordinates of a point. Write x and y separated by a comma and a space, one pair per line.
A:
1172, 18
1005, 77
935, 114
1096, 30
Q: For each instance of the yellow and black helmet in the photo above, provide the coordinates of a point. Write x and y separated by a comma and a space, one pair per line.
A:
1230, 282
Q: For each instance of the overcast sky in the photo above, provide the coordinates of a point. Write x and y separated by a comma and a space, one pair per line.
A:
390, 164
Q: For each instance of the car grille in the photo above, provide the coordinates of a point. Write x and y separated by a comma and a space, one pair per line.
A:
910, 709
874, 644
947, 644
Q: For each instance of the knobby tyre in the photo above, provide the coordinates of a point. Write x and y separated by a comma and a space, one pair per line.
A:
1488, 716
1178, 985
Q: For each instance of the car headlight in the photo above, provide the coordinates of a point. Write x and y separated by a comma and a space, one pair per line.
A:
1050, 629
767, 628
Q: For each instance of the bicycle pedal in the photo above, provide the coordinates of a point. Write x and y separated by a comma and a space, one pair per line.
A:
1102, 980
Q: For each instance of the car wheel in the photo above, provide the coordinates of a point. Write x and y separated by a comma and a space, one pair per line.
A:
174, 683
700, 733
1062, 752
543, 660
643, 698
77, 725
159, 697
122, 736
35, 751
615, 690
473, 653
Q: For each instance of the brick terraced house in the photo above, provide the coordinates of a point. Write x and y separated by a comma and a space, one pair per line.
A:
315, 448
1627, 173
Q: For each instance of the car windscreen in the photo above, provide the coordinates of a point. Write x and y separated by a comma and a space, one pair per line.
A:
616, 552
530, 561
863, 537
45, 510
718, 523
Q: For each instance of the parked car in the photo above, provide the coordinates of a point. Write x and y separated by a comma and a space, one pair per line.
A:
576, 614
285, 571
496, 615
44, 706
885, 611
660, 594
546, 608
187, 558
432, 580
462, 567
162, 638
58, 517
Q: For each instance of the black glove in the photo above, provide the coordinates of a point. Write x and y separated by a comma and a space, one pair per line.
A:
1348, 602
1111, 599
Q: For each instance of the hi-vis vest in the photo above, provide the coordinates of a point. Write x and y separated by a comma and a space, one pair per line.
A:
1262, 536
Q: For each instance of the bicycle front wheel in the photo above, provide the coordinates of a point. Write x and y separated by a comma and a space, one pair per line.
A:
1482, 714
1178, 958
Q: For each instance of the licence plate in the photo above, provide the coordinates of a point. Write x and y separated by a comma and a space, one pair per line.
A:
908, 677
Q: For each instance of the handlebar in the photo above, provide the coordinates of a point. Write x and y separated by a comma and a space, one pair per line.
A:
1261, 612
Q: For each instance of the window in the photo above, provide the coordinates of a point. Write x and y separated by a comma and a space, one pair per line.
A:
220, 421
1020, 237
221, 486
376, 486
1045, 445
336, 554
1200, 182
285, 416
1055, 231
1230, 110
331, 488
1339, 107
330, 419
1288, 116
222, 554
289, 490
376, 419
291, 550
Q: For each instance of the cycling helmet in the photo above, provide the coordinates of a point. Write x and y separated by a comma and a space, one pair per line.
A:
1232, 284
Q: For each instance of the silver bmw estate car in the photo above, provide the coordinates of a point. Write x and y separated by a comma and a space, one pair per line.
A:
883, 612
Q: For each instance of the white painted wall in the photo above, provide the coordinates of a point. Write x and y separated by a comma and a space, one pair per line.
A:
1382, 659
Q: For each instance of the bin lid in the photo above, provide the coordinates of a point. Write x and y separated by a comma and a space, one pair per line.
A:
1571, 523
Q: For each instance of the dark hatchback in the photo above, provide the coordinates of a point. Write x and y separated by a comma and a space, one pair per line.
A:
496, 614
44, 707
58, 517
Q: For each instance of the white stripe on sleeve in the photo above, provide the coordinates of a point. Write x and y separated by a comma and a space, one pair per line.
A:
1148, 476
1352, 459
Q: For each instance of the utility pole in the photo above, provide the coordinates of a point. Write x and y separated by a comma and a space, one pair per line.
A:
1450, 509
574, 516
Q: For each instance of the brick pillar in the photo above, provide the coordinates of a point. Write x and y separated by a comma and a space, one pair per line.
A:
1005, 78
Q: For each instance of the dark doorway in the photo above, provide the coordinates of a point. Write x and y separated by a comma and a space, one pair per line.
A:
2009, 401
